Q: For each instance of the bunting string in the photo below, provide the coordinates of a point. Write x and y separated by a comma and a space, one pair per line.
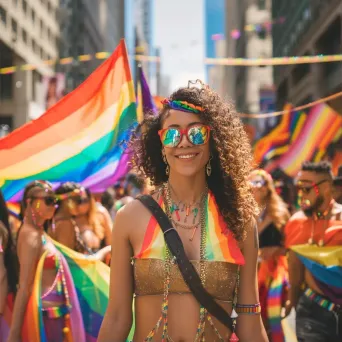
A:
282, 112
208, 61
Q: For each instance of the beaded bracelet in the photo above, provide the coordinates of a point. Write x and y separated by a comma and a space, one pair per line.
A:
248, 309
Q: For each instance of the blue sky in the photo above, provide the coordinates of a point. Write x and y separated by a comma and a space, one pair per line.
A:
179, 31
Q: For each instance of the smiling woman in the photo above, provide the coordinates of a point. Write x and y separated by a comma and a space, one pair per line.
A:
197, 155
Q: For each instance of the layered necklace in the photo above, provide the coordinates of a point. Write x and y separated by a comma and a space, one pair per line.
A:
320, 216
175, 207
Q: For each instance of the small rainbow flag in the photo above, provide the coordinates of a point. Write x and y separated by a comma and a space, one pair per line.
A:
145, 102
319, 130
79, 138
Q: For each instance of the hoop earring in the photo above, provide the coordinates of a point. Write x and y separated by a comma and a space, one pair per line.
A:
208, 167
167, 170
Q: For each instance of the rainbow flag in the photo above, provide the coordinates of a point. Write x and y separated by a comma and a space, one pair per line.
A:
278, 137
78, 139
13, 208
325, 264
319, 130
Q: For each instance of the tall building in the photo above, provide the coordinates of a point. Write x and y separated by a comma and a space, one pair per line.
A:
29, 34
215, 42
145, 38
80, 34
311, 27
250, 38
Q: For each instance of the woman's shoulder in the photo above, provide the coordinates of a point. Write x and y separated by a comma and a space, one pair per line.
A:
29, 239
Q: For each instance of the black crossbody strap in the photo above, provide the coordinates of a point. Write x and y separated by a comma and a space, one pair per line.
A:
187, 269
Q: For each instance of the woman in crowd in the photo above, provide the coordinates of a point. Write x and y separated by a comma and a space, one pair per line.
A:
78, 223
197, 154
8, 265
273, 270
46, 307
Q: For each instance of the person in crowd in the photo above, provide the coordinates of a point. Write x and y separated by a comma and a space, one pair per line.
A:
8, 265
198, 156
314, 237
273, 270
79, 224
45, 308
108, 200
337, 186
94, 222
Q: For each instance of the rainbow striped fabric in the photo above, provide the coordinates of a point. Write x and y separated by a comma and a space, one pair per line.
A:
88, 286
220, 244
325, 264
322, 126
79, 138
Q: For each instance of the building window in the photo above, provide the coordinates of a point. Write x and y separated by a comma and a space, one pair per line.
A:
3, 16
41, 24
14, 26
6, 86
34, 46
262, 4
33, 16
25, 6
49, 7
24, 36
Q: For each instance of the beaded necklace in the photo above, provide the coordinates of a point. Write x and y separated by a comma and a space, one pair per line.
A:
169, 261
61, 287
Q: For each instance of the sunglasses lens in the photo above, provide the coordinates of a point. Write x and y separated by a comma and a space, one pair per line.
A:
198, 135
50, 201
170, 137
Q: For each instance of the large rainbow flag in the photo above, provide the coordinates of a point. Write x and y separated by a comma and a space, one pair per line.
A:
321, 127
79, 138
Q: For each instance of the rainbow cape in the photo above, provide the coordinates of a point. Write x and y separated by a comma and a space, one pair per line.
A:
220, 243
88, 286
78, 139
321, 127
325, 264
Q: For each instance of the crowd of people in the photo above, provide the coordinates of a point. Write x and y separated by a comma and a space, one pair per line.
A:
222, 261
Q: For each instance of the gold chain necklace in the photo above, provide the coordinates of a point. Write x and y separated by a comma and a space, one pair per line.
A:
169, 261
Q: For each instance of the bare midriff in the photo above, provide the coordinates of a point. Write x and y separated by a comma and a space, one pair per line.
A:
183, 316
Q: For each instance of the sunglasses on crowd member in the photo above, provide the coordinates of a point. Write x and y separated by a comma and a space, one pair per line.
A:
48, 200
306, 189
257, 184
196, 134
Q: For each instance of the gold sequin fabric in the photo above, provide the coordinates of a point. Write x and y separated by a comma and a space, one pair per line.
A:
149, 278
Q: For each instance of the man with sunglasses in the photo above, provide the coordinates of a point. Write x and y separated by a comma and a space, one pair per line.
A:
312, 236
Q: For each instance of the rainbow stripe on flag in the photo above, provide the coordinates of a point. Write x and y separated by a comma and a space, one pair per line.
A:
321, 127
79, 138
324, 263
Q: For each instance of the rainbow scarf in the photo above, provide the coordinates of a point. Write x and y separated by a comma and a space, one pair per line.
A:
78, 139
220, 243
33, 329
273, 279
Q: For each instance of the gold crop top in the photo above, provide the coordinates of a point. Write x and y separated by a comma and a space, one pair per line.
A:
149, 278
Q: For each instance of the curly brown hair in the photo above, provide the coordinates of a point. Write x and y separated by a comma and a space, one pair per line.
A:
230, 149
